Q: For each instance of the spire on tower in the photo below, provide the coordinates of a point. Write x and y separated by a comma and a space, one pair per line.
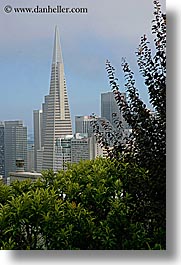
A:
57, 53
57, 119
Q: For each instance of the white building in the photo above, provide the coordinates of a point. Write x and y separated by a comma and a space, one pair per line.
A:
38, 131
80, 149
62, 153
83, 125
57, 121
39, 160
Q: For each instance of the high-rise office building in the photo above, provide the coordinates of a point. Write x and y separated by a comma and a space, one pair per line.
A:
15, 142
83, 125
2, 158
39, 160
80, 149
109, 106
63, 153
30, 157
44, 111
38, 131
57, 120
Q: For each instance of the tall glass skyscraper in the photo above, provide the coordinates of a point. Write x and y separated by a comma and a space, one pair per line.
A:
57, 121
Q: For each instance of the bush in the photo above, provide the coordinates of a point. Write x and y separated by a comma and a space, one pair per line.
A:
90, 206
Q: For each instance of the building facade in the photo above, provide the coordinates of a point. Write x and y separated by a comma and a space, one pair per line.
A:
62, 153
80, 150
38, 131
109, 106
15, 142
39, 160
83, 125
30, 158
70, 150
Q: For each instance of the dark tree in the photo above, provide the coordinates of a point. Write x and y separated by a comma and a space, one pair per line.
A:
146, 145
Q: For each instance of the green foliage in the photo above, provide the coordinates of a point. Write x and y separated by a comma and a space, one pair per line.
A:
89, 206
5, 193
146, 145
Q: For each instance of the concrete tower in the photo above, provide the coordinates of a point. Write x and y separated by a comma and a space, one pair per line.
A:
57, 117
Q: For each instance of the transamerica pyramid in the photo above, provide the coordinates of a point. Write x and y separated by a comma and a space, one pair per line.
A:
56, 118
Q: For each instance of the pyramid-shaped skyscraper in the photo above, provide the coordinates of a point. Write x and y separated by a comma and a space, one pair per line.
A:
56, 117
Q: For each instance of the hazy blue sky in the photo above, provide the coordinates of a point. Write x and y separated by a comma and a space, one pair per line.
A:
110, 30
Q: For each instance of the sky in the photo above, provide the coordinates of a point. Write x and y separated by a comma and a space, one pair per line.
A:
109, 30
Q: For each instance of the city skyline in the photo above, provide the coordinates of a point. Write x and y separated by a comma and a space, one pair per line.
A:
87, 41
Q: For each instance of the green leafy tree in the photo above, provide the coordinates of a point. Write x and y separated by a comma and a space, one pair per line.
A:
146, 145
84, 207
